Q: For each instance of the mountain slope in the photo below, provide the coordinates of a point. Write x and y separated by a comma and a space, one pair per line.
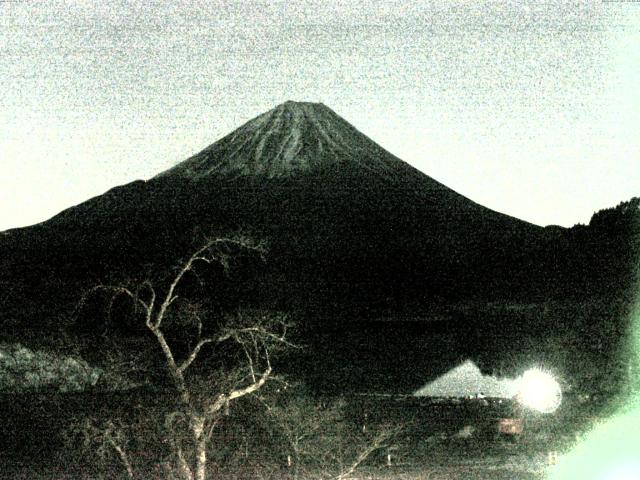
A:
290, 139
350, 227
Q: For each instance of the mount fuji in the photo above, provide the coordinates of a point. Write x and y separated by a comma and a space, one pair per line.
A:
351, 228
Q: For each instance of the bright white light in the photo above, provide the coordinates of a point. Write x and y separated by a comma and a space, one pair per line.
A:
539, 390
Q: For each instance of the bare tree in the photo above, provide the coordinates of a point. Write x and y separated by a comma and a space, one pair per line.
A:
318, 439
106, 438
254, 336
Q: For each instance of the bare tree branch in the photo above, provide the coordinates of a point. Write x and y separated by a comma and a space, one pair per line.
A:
223, 399
378, 442
124, 458
194, 353
255, 339
116, 291
249, 361
198, 256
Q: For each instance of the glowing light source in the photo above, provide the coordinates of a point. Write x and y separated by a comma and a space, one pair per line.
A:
538, 390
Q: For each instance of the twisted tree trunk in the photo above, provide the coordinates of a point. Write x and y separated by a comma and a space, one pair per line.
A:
200, 442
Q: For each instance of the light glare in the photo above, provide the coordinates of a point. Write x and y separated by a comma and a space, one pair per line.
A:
539, 391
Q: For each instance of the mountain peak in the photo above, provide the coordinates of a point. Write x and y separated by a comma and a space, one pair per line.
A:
303, 109
293, 104
290, 138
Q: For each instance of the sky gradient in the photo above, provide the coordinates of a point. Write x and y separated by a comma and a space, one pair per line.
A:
531, 109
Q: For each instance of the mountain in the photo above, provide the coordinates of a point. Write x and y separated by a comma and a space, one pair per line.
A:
354, 234
351, 228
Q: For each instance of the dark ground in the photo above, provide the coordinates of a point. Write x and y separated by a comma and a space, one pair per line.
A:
432, 445
440, 440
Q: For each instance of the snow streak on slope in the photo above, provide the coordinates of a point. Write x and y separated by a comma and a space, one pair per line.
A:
291, 138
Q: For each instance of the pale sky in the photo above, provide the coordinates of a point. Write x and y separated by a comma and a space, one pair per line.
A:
529, 108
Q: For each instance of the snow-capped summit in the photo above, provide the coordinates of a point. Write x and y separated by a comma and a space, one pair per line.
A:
292, 137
